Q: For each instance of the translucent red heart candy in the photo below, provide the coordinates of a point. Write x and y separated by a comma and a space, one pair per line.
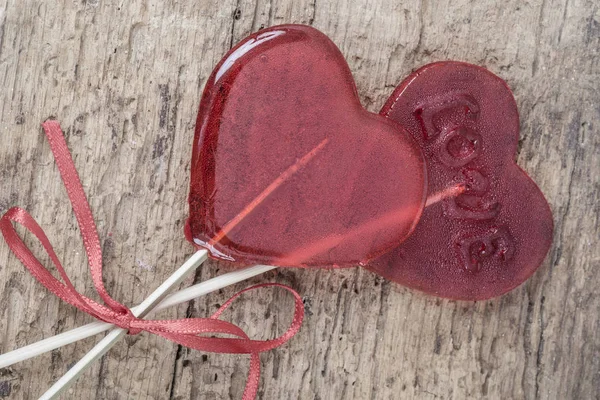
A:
492, 237
282, 95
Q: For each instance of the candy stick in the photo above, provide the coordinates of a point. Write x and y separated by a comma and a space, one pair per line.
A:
182, 296
451, 191
94, 328
194, 291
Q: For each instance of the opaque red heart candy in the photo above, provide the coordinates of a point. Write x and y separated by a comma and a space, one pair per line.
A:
279, 95
492, 237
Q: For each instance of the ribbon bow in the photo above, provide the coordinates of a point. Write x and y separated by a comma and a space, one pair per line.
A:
182, 331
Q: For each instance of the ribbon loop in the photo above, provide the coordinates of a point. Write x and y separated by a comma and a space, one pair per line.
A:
186, 332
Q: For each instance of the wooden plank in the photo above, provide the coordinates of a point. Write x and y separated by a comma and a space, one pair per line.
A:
125, 80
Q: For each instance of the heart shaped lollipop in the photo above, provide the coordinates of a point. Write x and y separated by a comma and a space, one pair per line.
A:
494, 235
279, 95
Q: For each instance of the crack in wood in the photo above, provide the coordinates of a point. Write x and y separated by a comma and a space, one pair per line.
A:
174, 373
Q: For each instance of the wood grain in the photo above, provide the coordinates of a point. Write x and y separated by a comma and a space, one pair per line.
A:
125, 78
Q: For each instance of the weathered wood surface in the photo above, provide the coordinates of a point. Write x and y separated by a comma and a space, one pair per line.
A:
125, 79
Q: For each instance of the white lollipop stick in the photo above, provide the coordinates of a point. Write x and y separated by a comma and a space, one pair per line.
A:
185, 295
94, 328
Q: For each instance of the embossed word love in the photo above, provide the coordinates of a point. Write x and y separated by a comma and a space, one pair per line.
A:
492, 237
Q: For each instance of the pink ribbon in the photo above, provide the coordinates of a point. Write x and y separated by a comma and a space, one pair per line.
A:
182, 331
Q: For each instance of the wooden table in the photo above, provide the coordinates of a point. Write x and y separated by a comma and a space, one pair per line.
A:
125, 80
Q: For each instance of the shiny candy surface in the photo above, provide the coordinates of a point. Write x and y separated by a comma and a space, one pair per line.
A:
282, 95
493, 236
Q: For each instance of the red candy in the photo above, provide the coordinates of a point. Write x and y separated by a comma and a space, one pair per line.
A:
279, 95
491, 238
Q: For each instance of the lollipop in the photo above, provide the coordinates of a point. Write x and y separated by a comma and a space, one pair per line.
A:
489, 234
287, 167
272, 99
491, 238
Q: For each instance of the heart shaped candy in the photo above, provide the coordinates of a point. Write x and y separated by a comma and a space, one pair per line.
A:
492, 237
271, 101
